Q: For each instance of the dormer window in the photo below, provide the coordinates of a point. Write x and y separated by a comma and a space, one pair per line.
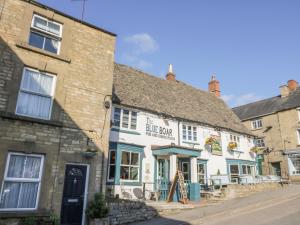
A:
256, 124
45, 34
124, 118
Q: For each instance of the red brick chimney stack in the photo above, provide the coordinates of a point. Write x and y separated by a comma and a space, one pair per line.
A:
170, 75
292, 85
214, 86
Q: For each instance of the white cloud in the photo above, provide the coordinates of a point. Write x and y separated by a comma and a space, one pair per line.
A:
139, 45
233, 100
142, 43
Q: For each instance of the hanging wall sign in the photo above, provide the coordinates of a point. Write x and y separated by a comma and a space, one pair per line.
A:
159, 129
216, 144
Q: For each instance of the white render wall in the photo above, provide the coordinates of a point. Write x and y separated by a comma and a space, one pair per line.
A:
214, 162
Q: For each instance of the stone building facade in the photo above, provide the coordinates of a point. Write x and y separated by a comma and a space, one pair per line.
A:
56, 77
276, 122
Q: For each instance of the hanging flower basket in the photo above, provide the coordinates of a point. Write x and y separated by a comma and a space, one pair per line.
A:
232, 145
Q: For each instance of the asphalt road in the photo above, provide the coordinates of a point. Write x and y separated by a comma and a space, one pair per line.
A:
278, 207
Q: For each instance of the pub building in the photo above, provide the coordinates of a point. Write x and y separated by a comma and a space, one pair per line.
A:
160, 126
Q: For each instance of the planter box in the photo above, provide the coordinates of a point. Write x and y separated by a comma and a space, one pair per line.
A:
102, 221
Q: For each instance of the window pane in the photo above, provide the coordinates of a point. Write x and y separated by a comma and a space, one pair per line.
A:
134, 172
51, 45
112, 170
10, 195
37, 82
117, 114
201, 168
234, 169
32, 167
124, 173
125, 158
194, 133
244, 168
16, 165
112, 157
135, 159
54, 28
183, 132
133, 120
28, 195
189, 133
34, 105
36, 40
40, 23
125, 118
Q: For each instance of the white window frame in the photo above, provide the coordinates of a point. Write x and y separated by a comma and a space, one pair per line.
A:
47, 33
204, 174
22, 180
256, 124
298, 111
109, 164
260, 140
194, 133
39, 94
236, 139
138, 166
121, 119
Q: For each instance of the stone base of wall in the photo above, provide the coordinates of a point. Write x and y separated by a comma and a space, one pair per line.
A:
125, 211
295, 178
237, 190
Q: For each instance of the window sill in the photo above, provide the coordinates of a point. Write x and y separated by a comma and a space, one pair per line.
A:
257, 129
21, 214
190, 142
12, 116
125, 131
43, 52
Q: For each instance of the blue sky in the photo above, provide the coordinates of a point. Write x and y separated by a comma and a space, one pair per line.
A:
252, 46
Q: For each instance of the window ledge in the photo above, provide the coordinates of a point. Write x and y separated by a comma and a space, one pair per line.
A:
125, 131
190, 142
20, 214
26, 46
257, 128
12, 116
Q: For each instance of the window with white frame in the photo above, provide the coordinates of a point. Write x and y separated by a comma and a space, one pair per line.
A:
201, 169
125, 119
36, 94
259, 142
234, 138
111, 165
21, 183
298, 132
130, 166
298, 111
256, 124
247, 169
189, 133
45, 34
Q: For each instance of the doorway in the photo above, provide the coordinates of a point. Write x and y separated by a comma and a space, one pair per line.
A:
276, 169
184, 167
72, 209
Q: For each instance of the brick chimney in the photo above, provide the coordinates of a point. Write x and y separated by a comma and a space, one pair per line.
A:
214, 86
170, 75
286, 89
292, 85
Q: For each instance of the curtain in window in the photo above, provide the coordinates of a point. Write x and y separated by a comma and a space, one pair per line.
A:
40, 23
38, 83
34, 105
10, 195
32, 167
28, 195
16, 165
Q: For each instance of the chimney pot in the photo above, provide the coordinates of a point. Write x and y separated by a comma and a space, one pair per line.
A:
214, 86
171, 75
292, 85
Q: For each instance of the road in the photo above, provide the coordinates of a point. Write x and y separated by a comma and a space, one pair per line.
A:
277, 207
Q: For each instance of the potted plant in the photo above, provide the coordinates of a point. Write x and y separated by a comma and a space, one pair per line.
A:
97, 211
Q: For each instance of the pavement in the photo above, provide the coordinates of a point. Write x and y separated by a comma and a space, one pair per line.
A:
276, 207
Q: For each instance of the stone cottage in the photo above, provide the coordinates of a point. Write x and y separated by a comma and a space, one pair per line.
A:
56, 77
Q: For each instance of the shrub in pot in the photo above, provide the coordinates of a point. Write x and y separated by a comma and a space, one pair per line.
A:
97, 211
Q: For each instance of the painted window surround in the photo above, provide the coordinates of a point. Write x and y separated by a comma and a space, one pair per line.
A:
22, 180
119, 147
239, 162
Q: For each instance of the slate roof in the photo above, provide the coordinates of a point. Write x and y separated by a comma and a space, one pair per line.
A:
134, 88
268, 106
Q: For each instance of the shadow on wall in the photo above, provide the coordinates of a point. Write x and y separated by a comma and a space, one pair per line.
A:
76, 134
